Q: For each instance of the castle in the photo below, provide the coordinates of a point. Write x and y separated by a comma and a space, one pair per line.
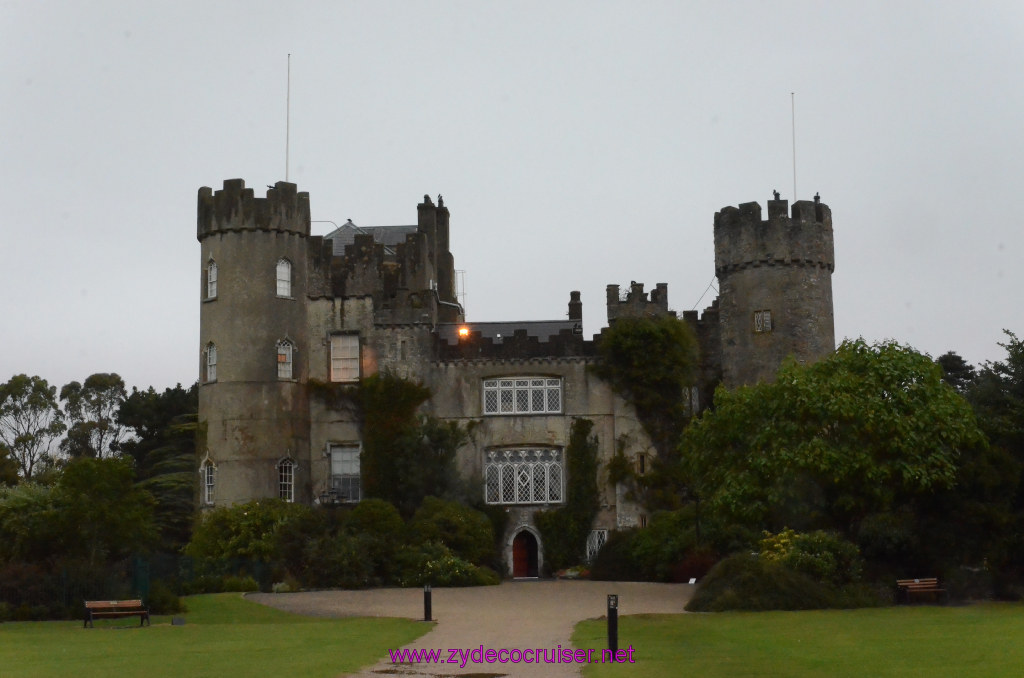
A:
281, 308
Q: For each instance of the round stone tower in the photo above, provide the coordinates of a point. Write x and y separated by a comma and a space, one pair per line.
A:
253, 343
775, 287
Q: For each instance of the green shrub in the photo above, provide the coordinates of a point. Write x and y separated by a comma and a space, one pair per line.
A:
820, 555
339, 560
241, 584
246, 531
433, 563
746, 582
162, 600
464, 530
615, 561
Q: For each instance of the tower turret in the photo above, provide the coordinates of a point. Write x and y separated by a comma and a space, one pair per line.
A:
254, 340
775, 287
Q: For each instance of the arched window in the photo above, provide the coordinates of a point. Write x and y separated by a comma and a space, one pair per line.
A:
286, 480
284, 278
285, 352
207, 480
211, 362
211, 280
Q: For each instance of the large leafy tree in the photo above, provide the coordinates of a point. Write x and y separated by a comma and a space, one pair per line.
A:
998, 398
651, 362
163, 448
863, 432
91, 410
94, 513
30, 423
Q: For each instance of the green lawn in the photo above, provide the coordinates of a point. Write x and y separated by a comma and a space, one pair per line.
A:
224, 635
982, 641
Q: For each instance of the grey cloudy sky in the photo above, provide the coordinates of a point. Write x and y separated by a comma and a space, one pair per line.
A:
577, 144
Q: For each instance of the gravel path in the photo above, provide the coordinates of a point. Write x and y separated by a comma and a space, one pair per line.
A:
517, 614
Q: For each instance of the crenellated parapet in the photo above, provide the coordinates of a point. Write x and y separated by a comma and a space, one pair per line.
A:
800, 238
635, 303
517, 346
235, 208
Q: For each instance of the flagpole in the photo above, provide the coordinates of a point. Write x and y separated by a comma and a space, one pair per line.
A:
288, 118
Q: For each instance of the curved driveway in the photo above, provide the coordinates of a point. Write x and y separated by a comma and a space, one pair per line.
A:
516, 614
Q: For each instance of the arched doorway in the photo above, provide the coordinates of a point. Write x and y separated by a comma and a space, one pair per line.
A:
524, 555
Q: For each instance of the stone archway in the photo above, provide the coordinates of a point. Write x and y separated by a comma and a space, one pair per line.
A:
525, 555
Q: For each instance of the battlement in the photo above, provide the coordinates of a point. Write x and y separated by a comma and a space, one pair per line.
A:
235, 208
635, 303
520, 345
800, 237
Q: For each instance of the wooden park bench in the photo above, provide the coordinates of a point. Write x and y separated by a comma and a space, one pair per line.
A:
905, 588
115, 608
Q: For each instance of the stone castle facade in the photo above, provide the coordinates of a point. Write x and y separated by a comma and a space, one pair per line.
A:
281, 308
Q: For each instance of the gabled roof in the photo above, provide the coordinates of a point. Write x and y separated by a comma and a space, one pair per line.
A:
389, 236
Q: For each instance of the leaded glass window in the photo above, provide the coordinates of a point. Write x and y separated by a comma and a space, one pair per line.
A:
762, 321
529, 395
595, 540
523, 476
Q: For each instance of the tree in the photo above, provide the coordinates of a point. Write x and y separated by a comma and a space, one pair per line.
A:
91, 409
164, 449
8, 467
30, 422
998, 398
862, 432
105, 516
650, 362
957, 372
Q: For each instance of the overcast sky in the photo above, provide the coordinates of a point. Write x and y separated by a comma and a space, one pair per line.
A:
576, 144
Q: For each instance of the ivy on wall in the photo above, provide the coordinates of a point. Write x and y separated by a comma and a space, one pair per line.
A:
565, 530
405, 457
649, 362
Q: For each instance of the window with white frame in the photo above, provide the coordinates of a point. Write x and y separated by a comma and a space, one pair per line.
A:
522, 395
345, 483
285, 352
208, 479
524, 476
762, 321
344, 357
211, 362
595, 540
286, 480
211, 280
284, 278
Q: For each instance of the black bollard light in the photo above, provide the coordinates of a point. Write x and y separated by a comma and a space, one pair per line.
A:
426, 603
613, 625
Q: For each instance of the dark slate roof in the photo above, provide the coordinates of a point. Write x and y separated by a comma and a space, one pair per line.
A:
389, 236
542, 329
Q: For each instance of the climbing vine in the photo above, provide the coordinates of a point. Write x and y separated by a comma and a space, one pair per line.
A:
565, 530
405, 456
649, 362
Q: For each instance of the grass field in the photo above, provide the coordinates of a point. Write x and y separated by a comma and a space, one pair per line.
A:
224, 635
977, 641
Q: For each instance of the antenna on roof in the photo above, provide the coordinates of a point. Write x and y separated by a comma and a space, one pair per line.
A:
792, 99
288, 117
